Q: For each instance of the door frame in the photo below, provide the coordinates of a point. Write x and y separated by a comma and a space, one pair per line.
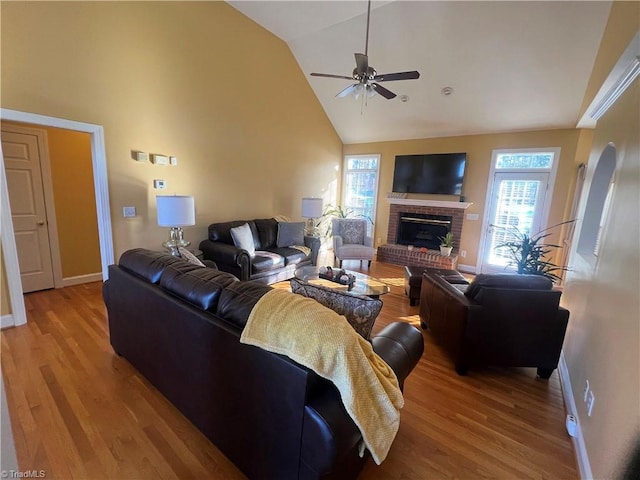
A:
47, 187
548, 197
101, 187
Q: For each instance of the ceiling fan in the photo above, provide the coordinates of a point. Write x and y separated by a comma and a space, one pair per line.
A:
366, 76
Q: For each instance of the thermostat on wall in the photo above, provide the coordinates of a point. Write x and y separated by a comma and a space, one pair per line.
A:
160, 184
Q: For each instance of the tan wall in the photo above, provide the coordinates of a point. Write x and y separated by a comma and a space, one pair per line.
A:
603, 340
74, 197
5, 301
479, 150
197, 80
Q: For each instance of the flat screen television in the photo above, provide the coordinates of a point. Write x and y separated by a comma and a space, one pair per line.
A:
438, 173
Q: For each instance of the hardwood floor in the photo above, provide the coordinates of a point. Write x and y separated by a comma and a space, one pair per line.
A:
78, 411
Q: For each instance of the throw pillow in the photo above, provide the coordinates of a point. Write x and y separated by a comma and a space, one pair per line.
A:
243, 238
290, 233
190, 257
352, 231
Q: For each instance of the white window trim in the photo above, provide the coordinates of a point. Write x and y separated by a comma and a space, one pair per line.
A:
345, 172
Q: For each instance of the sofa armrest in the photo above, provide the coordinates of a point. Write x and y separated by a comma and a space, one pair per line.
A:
314, 244
368, 241
400, 345
228, 258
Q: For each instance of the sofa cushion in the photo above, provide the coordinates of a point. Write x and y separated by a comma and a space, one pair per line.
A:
507, 280
292, 256
237, 301
197, 285
189, 257
263, 261
267, 232
243, 238
147, 264
290, 233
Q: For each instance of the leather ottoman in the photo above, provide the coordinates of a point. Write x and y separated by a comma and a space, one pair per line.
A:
413, 280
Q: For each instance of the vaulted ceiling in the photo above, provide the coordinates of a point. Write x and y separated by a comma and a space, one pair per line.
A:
512, 66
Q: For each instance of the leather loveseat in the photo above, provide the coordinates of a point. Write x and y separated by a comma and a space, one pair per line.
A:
497, 320
179, 324
270, 263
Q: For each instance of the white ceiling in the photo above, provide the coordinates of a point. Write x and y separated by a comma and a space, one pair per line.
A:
513, 66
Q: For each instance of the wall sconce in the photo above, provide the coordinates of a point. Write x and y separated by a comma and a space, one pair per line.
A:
176, 211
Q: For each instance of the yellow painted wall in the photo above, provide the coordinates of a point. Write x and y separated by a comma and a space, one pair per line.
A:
74, 197
603, 338
479, 150
196, 80
5, 302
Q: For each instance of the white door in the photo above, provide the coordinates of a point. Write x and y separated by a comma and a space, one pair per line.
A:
28, 211
516, 205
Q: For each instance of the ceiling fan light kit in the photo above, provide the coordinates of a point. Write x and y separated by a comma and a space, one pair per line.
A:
366, 77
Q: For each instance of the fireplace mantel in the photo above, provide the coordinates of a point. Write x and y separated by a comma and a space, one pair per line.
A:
428, 203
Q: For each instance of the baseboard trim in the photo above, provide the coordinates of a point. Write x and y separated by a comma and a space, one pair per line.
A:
579, 447
6, 321
80, 279
466, 268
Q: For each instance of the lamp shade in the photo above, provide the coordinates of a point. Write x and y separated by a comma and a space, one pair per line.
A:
176, 210
311, 207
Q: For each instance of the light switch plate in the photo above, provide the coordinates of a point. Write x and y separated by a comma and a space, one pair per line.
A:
160, 159
141, 156
173, 161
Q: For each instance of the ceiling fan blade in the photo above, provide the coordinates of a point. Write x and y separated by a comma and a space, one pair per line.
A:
347, 91
330, 75
388, 94
362, 63
387, 77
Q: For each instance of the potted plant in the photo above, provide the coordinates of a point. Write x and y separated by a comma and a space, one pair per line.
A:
530, 255
446, 244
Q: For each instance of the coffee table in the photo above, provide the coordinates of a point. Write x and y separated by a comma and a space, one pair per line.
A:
364, 284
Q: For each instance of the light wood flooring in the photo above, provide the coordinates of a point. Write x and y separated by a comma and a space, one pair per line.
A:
78, 411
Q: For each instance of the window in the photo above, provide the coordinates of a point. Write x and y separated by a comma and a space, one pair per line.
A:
360, 186
531, 160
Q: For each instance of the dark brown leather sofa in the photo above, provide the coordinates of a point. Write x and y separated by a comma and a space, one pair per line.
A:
180, 324
219, 247
497, 320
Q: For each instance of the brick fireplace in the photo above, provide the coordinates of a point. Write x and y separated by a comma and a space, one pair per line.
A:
392, 252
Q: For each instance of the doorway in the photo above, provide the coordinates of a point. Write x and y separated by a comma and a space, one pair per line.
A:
99, 166
518, 200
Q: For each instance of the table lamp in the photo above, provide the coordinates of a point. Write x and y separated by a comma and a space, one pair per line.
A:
175, 211
311, 209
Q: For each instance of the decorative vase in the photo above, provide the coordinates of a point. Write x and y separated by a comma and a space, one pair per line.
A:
445, 251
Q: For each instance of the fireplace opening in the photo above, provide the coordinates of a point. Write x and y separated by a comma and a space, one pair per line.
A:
422, 230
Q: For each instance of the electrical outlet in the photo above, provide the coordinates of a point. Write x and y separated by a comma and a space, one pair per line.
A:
591, 399
585, 393
463, 253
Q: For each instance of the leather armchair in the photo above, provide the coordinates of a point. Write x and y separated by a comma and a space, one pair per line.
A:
350, 240
499, 320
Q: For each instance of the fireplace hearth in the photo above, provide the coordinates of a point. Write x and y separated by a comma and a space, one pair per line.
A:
422, 255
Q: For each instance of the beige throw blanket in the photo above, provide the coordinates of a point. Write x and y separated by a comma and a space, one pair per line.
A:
320, 339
